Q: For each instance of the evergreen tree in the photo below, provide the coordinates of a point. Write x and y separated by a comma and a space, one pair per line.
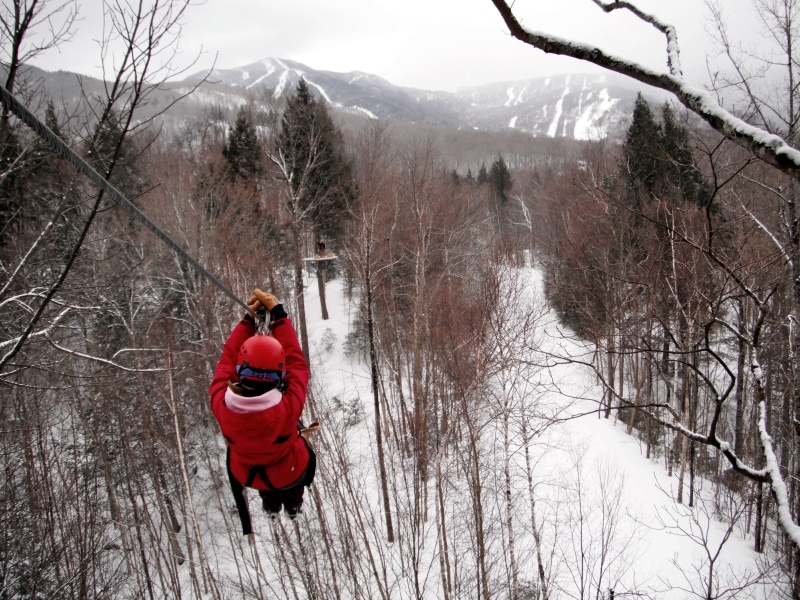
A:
210, 191
499, 180
482, 175
643, 157
682, 171
104, 148
45, 163
659, 160
313, 150
12, 186
242, 151
53, 184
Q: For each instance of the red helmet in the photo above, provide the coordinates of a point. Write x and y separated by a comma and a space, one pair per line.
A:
259, 354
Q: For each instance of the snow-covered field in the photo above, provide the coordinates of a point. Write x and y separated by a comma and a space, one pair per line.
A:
607, 514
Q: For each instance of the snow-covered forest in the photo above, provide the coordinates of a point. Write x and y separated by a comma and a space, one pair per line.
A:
575, 377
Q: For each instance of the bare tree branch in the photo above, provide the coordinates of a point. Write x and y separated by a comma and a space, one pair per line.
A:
673, 50
770, 148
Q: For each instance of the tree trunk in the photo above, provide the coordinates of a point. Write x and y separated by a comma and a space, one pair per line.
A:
373, 363
758, 546
321, 287
298, 291
205, 568
534, 525
794, 220
611, 371
478, 507
509, 503
738, 447
444, 553
621, 362
684, 448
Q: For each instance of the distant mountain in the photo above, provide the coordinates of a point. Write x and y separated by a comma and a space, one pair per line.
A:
571, 106
582, 107
563, 106
356, 92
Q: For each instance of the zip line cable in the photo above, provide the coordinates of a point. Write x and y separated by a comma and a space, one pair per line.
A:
57, 144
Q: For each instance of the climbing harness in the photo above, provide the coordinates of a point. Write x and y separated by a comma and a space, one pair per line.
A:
61, 148
305, 479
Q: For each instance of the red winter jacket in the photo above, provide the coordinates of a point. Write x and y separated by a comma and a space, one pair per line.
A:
252, 436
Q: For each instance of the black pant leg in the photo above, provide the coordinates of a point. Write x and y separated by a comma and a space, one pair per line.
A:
271, 500
292, 498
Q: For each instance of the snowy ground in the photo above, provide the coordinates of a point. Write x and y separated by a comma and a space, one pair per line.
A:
598, 497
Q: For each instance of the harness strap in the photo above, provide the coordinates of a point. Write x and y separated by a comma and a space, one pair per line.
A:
238, 495
261, 470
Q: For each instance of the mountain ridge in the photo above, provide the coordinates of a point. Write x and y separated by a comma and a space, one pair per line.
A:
570, 106
578, 106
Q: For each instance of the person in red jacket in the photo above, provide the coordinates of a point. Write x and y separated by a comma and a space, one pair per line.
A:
257, 395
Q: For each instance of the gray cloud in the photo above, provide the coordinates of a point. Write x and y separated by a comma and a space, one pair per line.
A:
443, 44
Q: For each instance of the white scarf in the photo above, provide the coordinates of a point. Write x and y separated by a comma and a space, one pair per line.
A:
243, 404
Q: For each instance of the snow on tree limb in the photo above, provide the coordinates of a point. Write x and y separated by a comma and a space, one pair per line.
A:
787, 256
673, 50
770, 148
101, 360
43, 332
772, 467
710, 439
776, 480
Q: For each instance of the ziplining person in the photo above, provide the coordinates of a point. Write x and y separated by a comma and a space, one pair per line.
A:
257, 395
259, 386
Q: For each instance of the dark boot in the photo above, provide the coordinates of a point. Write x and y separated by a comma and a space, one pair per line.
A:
293, 501
271, 503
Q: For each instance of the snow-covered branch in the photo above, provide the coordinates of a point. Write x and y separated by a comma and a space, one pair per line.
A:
673, 50
710, 439
25, 258
780, 247
45, 331
102, 360
770, 148
773, 467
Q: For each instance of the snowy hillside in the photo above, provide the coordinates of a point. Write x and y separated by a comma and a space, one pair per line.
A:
579, 106
573, 106
605, 513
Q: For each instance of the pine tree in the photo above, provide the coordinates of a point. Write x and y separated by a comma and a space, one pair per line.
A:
682, 172
211, 193
53, 185
318, 178
12, 186
45, 164
500, 180
659, 160
482, 175
104, 148
242, 151
643, 158
313, 151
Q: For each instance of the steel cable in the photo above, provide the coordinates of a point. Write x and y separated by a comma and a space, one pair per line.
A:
59, 146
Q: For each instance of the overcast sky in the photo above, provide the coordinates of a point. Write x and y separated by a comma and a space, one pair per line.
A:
429, 44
